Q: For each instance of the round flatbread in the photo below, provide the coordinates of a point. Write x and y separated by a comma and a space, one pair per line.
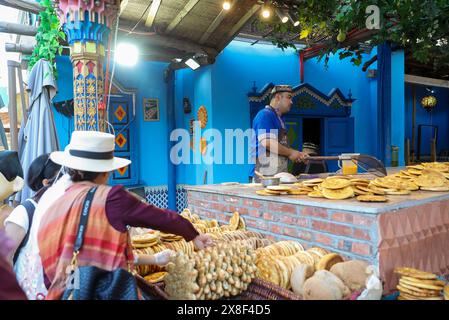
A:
313, 181
398, 192
436, 166
146, 237
338, 194
328, 261
275, 192
315, 194
438, 189
297, 192
415, 273
423, 284
156, 277
416, 167
430, 180
415, 293
335, 183
281, 188
371, 198
264, 193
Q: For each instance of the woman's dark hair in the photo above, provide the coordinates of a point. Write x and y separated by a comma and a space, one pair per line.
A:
41, 168
10, 165
79, 175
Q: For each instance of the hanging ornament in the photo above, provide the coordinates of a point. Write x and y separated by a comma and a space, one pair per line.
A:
429, 102
202, 116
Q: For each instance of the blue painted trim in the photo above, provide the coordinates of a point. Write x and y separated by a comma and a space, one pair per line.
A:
170, 79
86, 30
265, 92
384, 104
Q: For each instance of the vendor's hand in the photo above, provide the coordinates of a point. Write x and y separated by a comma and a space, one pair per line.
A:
296, 155
163, 257
202, 241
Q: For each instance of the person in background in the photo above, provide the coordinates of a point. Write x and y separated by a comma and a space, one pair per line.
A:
309, 166
10, 182
41, 173
89, 159
271, 135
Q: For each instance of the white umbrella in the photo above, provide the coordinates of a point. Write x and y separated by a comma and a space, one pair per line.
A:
38, 136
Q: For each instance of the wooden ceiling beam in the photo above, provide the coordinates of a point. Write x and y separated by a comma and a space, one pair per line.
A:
123, 6
239, 25
165, 41
152, 13
214, 25
17, 28
187, 8
24, 5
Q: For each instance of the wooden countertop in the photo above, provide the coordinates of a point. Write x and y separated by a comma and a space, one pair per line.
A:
395, 202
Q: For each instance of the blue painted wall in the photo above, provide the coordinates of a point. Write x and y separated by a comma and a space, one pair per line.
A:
148, 79
343, 75
222, 88
398, 103
64, 125
438, 117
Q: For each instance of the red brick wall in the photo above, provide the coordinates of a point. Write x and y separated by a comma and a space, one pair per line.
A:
354, 235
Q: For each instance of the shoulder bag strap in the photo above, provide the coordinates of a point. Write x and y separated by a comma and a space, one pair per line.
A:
29, 207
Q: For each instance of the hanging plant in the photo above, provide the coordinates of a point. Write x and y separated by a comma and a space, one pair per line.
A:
420, 26
49, 36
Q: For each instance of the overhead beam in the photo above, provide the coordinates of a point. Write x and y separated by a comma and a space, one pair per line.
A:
17, 28
214, 25
152, 13
426, 81
123, 6
19, 47
239, 25
24, 5
187, 8
174, 43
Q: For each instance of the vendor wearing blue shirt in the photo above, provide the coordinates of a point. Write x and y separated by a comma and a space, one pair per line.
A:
271, 135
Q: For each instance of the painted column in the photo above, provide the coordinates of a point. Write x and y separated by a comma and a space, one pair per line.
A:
398, 102
87, 24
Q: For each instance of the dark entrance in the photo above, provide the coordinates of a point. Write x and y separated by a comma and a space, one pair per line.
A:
311, 131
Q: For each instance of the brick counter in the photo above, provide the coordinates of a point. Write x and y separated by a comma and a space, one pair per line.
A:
408, 231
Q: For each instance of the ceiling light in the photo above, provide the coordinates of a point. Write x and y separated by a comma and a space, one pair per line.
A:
294, 21
266, 10
226, 5
282, 16
126, 54
192, 64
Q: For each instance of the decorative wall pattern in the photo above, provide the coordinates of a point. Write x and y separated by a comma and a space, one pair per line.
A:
158, 196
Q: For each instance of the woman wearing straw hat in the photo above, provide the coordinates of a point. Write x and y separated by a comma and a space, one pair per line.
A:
89, 159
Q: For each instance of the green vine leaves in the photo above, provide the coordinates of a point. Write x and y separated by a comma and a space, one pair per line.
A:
49, 37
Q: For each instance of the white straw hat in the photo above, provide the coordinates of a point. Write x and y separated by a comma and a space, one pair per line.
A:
90, 151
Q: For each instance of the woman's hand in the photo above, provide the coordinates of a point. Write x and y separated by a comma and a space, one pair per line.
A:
202, 241
163, 257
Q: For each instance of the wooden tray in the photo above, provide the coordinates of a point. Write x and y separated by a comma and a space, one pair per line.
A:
258, 289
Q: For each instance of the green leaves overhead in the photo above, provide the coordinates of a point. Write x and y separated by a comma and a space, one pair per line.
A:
48, 37
420, 26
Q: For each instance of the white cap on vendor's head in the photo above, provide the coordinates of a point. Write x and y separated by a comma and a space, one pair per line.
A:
281, 88
90, 151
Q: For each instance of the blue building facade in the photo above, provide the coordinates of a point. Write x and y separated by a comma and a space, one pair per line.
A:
222, 88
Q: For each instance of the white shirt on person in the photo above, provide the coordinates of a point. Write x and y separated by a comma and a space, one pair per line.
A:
28, 267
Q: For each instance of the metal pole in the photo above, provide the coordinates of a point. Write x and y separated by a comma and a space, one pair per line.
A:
22, 96
12, 107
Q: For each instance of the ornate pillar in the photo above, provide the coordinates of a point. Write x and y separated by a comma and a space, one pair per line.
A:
87, 24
